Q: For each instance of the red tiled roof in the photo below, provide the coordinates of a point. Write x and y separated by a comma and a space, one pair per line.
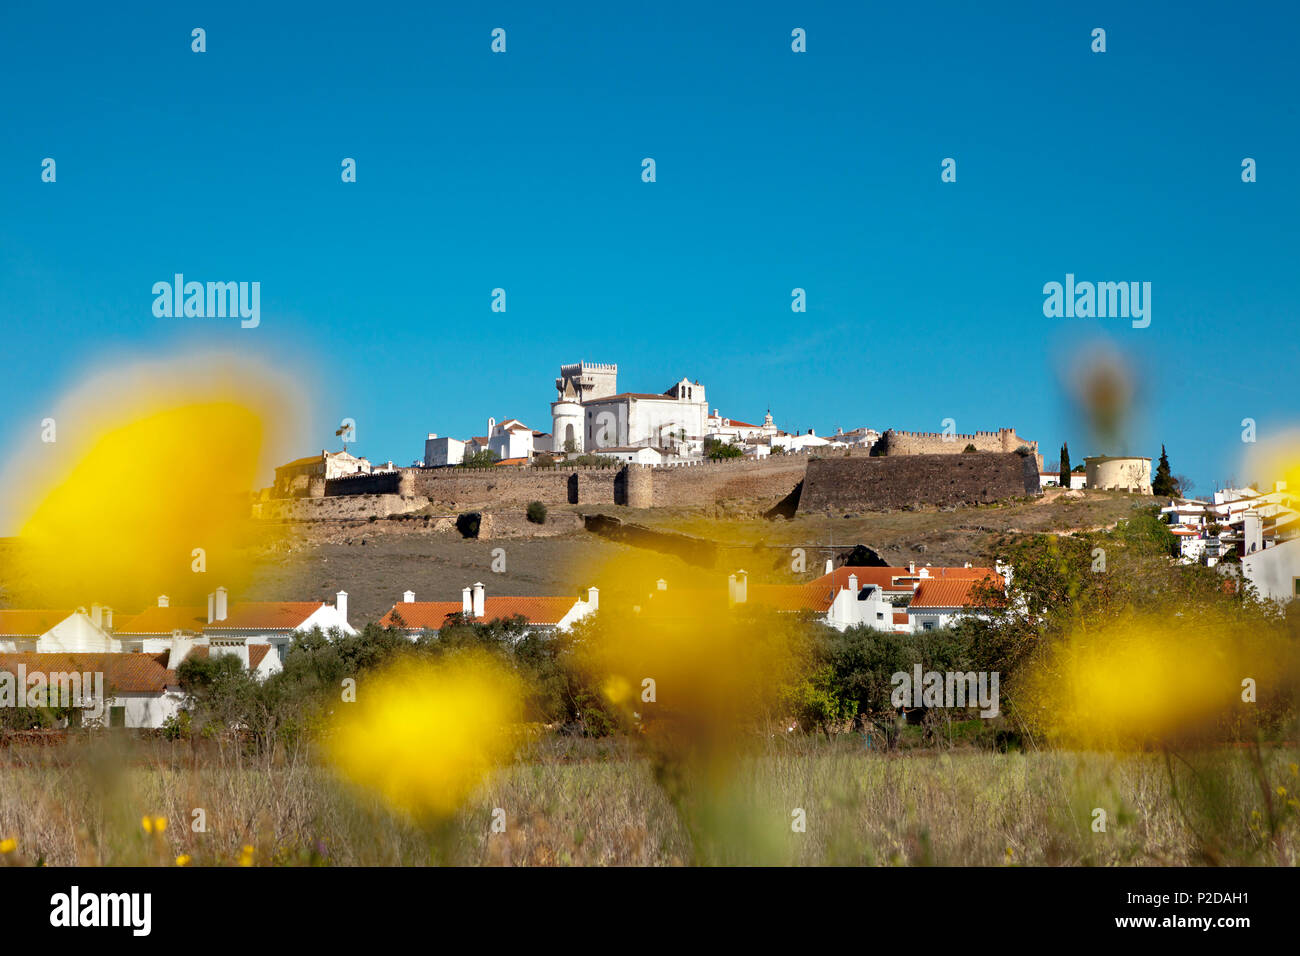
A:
124, 673
418, 615
164, 620
511, 461
900, 617
23, 623
736, 423
244, 616
961, 592
266, 615
791, 597
896, 579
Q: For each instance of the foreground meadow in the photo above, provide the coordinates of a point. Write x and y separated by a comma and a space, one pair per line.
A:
584, 802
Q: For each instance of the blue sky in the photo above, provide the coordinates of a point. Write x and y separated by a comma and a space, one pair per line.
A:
775, 170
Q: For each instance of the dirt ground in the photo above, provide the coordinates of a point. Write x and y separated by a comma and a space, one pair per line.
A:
376, 561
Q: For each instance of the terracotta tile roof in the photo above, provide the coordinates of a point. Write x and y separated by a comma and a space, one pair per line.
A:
896, 579
950, 592
243, 616
791, 597
124, 673
418, 615
164, 620
23, 623
737, 423
511, 461
266, 616
900, 617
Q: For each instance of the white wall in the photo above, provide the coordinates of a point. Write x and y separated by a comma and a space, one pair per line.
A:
1273, 571
443, 451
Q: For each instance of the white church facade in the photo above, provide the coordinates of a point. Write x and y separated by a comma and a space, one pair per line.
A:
590, 414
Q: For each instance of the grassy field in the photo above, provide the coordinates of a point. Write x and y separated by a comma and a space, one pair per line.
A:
584, 802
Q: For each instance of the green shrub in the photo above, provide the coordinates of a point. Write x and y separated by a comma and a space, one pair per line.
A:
536, 512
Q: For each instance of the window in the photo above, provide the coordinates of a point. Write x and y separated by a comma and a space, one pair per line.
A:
928, 626
1295, 586
117, 716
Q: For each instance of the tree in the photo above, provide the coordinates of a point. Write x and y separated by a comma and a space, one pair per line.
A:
1164, 484
481, 459
717, 449
968, 449
536, 512
1065, 465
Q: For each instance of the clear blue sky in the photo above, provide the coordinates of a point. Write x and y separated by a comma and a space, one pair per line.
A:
775, 170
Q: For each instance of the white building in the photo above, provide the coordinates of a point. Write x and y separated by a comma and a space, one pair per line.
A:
1118, 473
1275, 571
233, 628
542, 613
798, 443
637, 456
590, 415
24, 631
439, 452
734, 430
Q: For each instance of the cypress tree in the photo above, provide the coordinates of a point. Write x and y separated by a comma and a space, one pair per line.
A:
1065, 465
1164, 484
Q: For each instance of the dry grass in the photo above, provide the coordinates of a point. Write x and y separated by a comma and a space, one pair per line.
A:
596, 803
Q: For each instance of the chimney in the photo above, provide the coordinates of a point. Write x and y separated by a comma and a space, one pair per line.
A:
742, 586
661, 584
830, 566
211, 600
593, 597
162, 601
478, 599
108, 618
341, 603
911, 567
408, 597
221, 604
97, 615
853, 583
731, 589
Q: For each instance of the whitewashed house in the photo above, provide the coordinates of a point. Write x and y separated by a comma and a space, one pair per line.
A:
542, 613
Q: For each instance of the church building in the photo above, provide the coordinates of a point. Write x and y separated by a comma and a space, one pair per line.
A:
590, 413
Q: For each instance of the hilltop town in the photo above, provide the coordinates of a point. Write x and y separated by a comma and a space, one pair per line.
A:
620, 470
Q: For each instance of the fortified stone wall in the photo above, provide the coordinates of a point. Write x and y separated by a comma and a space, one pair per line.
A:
937, 443
908, 481
339, 507
639, 486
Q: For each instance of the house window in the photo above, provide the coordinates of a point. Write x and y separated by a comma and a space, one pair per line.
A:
117, 716
928, 626
1295, 586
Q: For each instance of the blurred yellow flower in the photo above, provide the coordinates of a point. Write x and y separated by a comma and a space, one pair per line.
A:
8, 845
424, 734
1295, 769
246, 854
1281, 791
153, 824
183, 860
